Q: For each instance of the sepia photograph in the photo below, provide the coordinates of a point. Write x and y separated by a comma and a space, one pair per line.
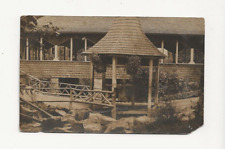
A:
111, 75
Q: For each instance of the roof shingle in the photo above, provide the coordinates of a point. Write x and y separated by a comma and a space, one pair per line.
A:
159, 25
125, 37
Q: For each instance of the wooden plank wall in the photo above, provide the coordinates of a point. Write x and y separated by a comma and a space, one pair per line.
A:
192, 72
57, 69
68, 69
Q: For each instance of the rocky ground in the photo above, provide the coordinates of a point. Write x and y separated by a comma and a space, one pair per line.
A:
180, 120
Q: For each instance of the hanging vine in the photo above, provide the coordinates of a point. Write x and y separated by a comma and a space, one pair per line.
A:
139, 76
98, 62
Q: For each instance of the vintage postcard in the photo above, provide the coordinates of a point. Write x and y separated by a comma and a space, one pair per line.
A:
136, 75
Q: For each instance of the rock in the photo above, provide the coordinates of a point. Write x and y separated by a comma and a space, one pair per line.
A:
76, 126
185, 118
142, 123
35, 124
101, 118
61, 112
123, 125
91, 127
49, 124
61, 130
82, 114
26, 110
96, 123
144, 120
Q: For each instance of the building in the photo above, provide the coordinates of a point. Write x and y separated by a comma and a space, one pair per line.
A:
59, 58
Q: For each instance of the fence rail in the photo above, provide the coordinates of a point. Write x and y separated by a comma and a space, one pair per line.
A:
76, 93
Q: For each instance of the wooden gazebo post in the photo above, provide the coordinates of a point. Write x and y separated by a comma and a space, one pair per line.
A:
150, 86
91, 76
114, 85
156, 98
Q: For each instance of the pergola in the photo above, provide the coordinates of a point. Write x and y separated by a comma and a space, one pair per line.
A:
126, 38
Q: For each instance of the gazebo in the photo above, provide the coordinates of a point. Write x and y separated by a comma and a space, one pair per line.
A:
126, 38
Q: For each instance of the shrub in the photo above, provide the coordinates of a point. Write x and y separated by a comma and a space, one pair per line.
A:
98, 63
166, 114
170, 85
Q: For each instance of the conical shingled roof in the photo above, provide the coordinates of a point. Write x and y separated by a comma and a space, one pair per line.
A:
125, 37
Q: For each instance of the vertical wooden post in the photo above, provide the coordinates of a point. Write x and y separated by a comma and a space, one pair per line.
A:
41, 49
114, 82
150, 86
44, 55
56, 53
157, 83
71, 49
39, 86
114, 85
50, 51
27, 49
23, 53
71, 99
177, 45
36, 53
91, 76
192, 56
113, 112
64, 50
103, 80
162, 47
85, 48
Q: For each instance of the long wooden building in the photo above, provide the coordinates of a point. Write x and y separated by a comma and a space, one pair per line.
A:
60, 58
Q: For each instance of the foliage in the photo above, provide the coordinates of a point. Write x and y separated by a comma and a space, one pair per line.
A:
198, 109
166, 114
139, 76
184, 56
98, 63
29, 28
29, 24
133, 65
170, 84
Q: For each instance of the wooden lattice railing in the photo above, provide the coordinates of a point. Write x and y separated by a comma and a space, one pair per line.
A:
76, 93
46, 86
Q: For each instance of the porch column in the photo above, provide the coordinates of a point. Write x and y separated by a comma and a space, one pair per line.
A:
157, 84
150, 86
27, 49
56, 53
192, 56
71, 49
177, 44
85, 48
114, 85
41, 49
162, 47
